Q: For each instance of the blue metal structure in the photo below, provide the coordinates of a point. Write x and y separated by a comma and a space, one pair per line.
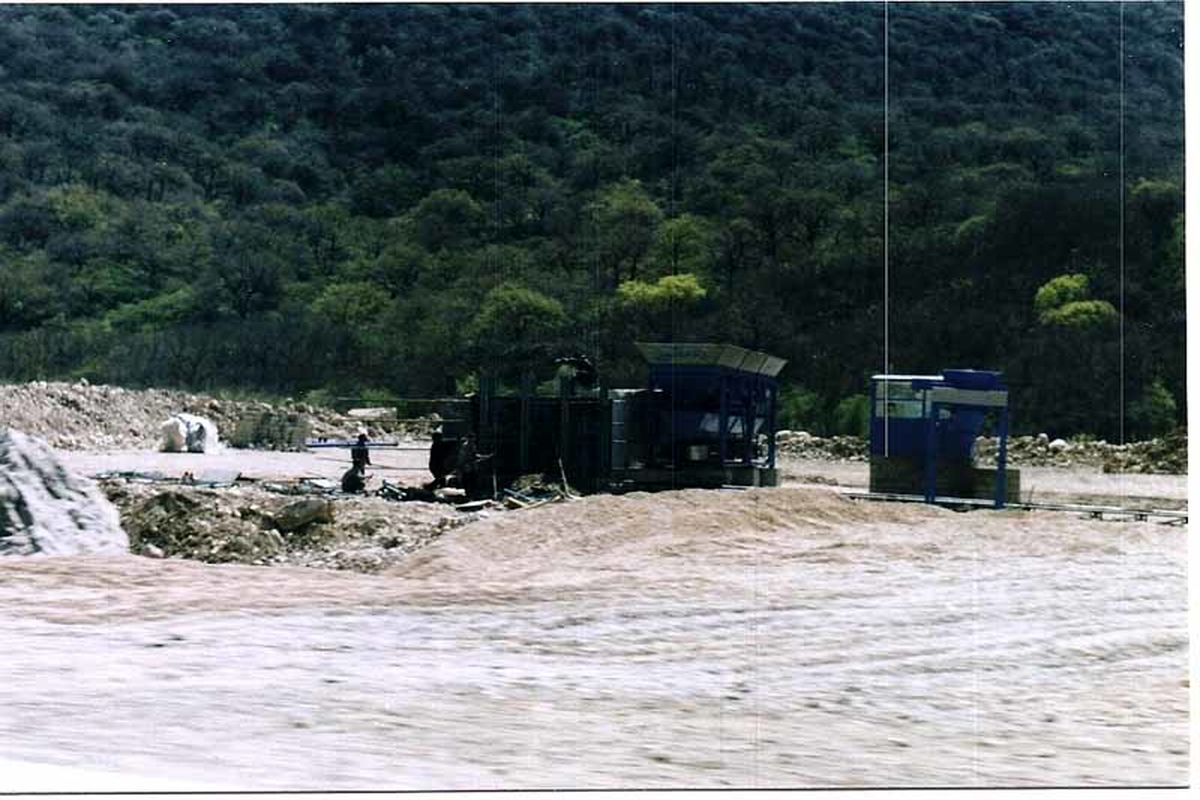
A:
705, 417
932, 419
718, 402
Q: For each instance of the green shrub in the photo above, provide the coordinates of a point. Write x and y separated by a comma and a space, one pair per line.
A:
379, 398
1081, 314
852, 416
323, 398
1152, 414
683, 288
801, 410
1060, 291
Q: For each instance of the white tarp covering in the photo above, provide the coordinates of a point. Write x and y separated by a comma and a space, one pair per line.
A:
188, 433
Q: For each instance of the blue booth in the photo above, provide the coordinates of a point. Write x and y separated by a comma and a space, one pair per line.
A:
923, 431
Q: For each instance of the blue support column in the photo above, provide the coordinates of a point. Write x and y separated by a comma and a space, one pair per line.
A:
749, 398
872, 447
723, 422
1002, 460
772, 400
931, 453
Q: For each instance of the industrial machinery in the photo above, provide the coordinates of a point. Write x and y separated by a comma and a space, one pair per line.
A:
706, 417
923, 431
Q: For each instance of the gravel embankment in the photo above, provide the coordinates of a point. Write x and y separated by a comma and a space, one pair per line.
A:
244, 525
1164, 455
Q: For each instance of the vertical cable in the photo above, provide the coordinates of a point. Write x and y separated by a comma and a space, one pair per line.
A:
1121, 232
886, 277
671, 199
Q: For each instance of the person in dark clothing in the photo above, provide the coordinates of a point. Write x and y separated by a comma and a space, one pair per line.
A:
360, 456
353, 480
441, 460
467, 466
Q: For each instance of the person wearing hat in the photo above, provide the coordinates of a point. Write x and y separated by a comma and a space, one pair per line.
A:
360, 456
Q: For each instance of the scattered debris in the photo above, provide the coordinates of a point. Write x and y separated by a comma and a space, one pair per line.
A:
478, 505
530, 491
141, 476
46, 509
302, 486
197, 525
212, 477
295, 516
252, 524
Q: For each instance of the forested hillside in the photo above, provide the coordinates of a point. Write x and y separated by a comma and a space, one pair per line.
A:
388, 198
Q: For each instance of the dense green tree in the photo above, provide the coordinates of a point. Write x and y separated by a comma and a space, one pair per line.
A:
626, 220
516, 329
448, 218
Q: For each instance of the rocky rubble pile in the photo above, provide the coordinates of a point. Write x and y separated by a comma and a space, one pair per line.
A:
1167, 454
79, 416
45, 509
251, 525
802, 444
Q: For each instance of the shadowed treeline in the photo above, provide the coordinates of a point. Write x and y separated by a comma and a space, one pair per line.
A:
385, 198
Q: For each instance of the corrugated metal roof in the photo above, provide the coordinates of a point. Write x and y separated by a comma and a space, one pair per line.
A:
705, 354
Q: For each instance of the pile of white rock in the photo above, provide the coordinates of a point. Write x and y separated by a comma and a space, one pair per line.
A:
45, 509
802, 444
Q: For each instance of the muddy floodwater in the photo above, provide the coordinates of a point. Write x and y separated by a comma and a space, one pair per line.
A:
767, 638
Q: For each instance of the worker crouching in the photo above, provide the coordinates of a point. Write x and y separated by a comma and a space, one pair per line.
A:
455, 463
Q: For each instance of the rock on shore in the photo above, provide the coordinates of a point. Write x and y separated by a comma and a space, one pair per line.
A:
46, 509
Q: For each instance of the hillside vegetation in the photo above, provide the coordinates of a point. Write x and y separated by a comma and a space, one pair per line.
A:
386, 199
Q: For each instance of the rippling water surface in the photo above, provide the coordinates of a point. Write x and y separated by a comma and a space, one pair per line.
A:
779, 638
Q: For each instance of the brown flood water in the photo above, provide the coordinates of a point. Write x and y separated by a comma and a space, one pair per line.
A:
773, 638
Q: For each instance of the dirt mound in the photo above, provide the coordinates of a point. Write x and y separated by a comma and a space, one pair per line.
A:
250, 525
601, 536
46, 509
79, 416
653, 542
